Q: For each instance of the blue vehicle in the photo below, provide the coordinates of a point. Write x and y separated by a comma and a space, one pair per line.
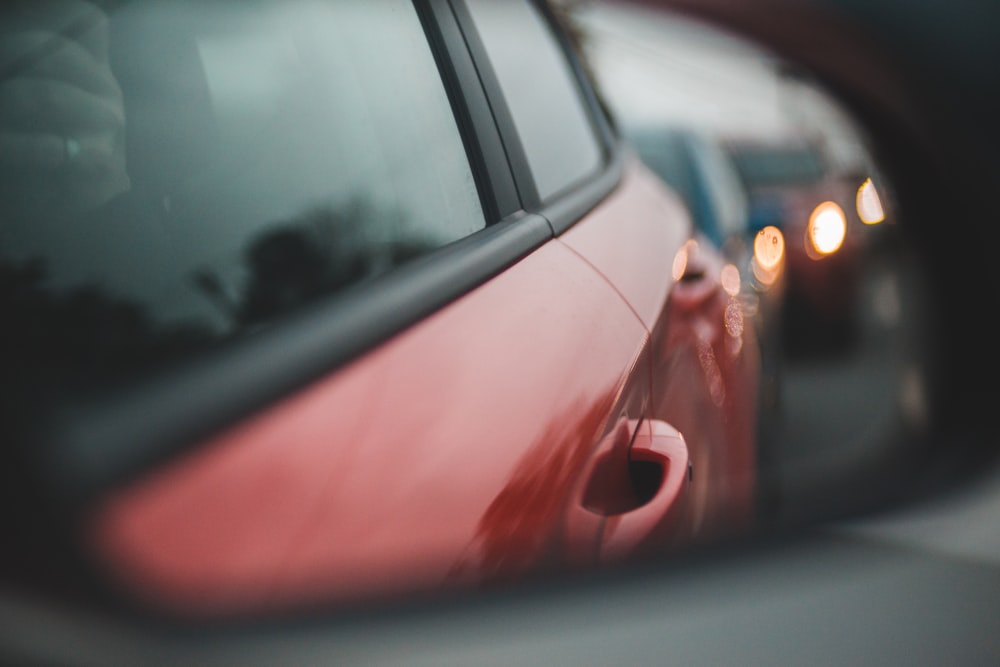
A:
697, 167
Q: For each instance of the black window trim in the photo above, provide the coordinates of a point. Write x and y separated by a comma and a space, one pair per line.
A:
567, 207
470, 105
513, 149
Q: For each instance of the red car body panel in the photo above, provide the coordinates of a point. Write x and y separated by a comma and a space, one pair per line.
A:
706, 334
462, 452
633, 245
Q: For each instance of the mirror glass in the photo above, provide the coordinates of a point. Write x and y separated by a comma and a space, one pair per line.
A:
287, 323
777, 174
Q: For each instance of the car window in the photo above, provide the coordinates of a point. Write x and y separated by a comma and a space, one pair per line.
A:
668, 155
762, 166
541, 92
690, 164
727, 190
220, 165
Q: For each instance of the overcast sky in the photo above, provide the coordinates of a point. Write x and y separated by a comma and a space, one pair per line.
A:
653, 65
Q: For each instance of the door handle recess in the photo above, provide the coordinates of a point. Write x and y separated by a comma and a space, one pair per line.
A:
661, 515
633, 496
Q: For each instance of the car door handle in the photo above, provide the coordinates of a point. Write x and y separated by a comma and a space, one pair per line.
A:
634, 494
660, 517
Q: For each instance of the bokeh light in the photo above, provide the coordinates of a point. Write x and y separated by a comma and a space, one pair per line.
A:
827, 228
869, 204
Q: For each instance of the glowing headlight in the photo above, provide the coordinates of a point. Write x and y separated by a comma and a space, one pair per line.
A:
768, 255
827, 228
730, 280
769, 247
869, 205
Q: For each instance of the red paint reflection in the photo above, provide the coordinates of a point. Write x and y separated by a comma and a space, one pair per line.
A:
519, 532
705, 370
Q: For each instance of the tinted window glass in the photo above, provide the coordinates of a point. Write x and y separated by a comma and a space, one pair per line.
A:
699, 170
668, 156
764, 166
178, 173
726, 189
541, 91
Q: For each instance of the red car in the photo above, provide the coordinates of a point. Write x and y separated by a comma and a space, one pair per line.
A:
326, 303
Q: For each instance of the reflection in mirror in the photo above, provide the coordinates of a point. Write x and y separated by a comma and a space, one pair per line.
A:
780, 178
636, 386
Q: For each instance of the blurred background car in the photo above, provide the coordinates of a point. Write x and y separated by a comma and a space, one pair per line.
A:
826, 212
694, 165
661, 71
675, 73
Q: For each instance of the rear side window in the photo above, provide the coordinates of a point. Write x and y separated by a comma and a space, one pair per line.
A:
541, 91
190, 171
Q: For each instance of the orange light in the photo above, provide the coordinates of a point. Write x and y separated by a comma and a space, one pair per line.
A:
734, 318
680, 264
827, 229
682, 257
869, 204
769, 248
730, 279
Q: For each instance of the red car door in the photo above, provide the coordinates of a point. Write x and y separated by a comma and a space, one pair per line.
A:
465, 375
491, 440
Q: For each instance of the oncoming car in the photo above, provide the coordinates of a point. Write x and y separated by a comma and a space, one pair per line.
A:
828, 214
317, 302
